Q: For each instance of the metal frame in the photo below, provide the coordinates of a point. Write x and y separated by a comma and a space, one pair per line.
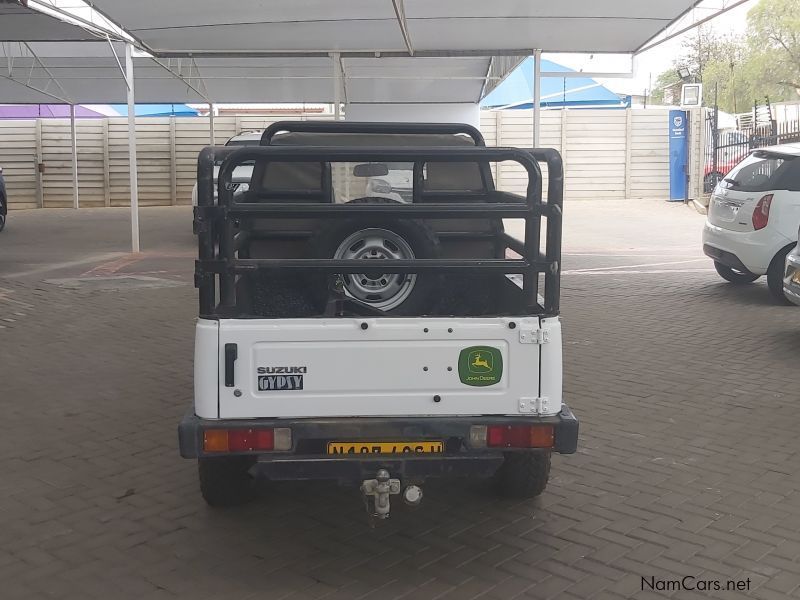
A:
219, 237
372, 127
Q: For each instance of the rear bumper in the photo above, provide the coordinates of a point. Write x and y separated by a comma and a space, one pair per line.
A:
791, 289
729, 259
749, 251
307, 458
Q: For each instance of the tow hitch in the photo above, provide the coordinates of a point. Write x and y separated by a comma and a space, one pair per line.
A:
379, 490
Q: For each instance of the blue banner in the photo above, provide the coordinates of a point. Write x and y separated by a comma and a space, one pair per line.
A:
678, 155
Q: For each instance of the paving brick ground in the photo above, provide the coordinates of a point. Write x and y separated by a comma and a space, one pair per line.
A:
687, 389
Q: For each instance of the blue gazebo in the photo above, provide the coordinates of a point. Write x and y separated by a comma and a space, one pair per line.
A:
516, 90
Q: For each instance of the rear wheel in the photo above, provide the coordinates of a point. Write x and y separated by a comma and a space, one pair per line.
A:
775, 275
523, 474
225, 480
734, 276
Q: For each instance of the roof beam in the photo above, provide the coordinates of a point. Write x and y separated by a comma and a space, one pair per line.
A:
36, 62
350, 54
400, 12
187, 81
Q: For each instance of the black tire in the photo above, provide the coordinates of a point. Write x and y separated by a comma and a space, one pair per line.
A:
422, 240
225, 481
735, 277
775, 273
523, 474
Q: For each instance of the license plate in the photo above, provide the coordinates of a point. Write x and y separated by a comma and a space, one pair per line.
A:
426, 447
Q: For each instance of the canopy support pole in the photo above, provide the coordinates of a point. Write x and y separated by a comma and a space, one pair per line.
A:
132, 150
74, 138
537, 95
211, 134
337, 87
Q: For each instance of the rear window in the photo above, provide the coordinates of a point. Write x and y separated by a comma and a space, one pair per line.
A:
759, 172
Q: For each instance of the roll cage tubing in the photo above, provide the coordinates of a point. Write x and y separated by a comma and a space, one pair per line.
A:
219, 234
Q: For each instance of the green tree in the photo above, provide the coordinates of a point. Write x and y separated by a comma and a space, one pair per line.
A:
740, 71
774, 36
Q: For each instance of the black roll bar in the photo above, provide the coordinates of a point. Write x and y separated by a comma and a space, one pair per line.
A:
387, 128
219, 235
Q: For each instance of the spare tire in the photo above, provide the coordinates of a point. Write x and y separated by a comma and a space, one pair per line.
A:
381, 238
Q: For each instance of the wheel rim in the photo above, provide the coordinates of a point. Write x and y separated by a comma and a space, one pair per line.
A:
383, 291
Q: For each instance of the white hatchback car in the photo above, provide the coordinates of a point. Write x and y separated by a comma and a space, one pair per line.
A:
753, 217
242, 173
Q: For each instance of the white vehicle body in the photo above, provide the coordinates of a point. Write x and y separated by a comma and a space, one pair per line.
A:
388, 369
242, 174
448, 365
731, 235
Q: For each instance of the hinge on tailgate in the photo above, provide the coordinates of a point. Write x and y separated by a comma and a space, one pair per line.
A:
533, 336
536, 405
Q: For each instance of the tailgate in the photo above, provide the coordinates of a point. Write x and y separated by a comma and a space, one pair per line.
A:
377, 366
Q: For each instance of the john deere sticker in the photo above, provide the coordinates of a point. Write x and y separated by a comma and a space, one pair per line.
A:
480, 365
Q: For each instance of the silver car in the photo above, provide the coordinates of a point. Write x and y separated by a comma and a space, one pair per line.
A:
791, 279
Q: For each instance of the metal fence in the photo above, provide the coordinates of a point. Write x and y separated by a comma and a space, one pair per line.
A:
725, 147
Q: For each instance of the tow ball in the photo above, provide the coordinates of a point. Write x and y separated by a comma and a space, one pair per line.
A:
379, 489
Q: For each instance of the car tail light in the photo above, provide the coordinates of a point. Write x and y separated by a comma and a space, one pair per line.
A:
519, 436
761, 212
247, 439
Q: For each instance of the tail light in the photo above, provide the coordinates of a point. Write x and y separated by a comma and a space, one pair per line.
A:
247, 439
761, 212
512, 436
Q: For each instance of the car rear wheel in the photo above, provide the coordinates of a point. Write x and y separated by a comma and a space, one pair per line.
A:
523, 474
734, 276
775, 276
225, 480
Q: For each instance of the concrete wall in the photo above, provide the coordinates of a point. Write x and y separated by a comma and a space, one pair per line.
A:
608, 154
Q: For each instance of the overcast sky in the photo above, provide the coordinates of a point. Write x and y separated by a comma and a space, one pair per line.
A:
660, 58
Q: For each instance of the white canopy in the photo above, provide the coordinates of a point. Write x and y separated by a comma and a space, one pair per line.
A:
90, 73
405, 26
359, 51
18, 23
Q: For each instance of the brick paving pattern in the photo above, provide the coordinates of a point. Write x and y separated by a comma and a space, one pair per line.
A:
687, 389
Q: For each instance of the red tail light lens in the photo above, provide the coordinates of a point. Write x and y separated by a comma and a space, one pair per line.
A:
243, 440
761, 212
519, 436
247, 439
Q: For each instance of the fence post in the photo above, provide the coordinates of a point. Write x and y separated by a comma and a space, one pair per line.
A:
564, 136
498, 132
106, 166
699, 170
37, 160
628, 150
173, 167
